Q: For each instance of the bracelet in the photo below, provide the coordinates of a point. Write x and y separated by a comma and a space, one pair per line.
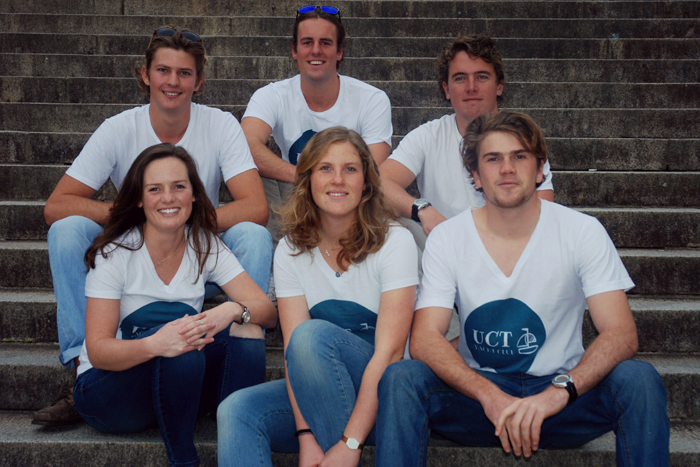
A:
303, 432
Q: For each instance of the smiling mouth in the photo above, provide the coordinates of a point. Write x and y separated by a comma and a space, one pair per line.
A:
336, 194
171, 93
169, 210
316, 62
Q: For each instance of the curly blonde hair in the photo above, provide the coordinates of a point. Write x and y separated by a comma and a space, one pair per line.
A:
300, 215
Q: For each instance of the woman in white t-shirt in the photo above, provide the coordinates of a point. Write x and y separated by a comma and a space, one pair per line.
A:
345, 278
149, 354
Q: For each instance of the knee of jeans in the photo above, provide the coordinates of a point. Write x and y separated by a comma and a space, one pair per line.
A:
191, 363
236, 410
247, 235
397, 377
308, 339
72, 231
640, 378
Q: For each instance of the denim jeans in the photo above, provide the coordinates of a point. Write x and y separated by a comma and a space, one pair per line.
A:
325, 365
631, 401
70, 237
170, 391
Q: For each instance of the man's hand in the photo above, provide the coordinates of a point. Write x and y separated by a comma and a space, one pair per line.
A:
430, 218
341, 455
519, 425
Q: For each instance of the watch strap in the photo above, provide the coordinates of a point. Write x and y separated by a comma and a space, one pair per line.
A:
344, 439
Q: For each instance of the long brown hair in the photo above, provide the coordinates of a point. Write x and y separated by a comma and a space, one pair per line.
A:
300, 215
126, 215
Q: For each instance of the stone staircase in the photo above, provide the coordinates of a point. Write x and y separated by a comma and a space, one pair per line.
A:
614, 85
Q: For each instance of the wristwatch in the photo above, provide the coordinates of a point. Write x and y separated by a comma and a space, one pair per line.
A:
420, 203
352, 443
565, 382
245, 316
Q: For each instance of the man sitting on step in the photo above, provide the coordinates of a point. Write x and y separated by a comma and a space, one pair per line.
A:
471, 78
295, 109
522, 271
172, 73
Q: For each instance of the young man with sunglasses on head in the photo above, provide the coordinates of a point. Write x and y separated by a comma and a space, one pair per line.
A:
295, 109
471, 78
173, 72
523, 271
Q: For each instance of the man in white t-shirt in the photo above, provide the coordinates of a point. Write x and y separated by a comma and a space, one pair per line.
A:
172, 73
471, 78
295, 109
522, 271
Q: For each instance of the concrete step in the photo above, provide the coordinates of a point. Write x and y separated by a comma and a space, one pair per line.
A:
401, 93
382, 9
629, 227
29, 315
32, 376
384, 68
641, 154
655, 272
22, 443
555, 122
584, 48
22, 182
381, 26
665, 324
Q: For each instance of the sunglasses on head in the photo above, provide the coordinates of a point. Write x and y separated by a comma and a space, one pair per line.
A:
331, 10
170, 32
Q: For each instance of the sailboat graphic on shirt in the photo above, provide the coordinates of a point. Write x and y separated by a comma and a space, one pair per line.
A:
527, 343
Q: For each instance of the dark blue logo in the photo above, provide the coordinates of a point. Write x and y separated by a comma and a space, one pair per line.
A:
504, 335
299, 145
152, 315
348, 315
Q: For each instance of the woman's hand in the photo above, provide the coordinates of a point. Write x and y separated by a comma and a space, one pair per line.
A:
193, 331
341, 455
310, 453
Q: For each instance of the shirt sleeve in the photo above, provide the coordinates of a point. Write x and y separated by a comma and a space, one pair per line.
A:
234, 153
286, 277
599, 265
439, 284
399, 260
97, 160
265, 105
376, 119
226, 267
547, 180
107, 278
410, 152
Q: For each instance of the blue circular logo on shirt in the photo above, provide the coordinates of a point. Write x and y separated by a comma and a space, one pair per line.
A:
299, 145
504, 335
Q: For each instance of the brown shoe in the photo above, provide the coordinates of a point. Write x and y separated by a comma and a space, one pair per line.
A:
61, 411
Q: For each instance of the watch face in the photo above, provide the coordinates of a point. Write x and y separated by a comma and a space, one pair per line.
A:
245, 317
561, 380
421, 203
352, 443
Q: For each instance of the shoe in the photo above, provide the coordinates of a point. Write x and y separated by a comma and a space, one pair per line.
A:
61, 412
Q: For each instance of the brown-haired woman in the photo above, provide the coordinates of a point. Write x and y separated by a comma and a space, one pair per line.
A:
345, 277
149, 354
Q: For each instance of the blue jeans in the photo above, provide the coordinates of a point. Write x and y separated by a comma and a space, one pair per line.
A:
70, 237
170, 391
631, 401
325, 365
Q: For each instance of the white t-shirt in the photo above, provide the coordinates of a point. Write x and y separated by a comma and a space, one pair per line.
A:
433, 153
359, 107
213, 138
350, 301
144, 300
531, 321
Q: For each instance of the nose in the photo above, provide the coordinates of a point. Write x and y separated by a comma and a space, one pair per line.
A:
471, 83
507, 165
173, 78
167, 195
337, 177
316, 48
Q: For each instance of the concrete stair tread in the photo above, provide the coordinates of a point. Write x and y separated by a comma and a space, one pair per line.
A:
16, 429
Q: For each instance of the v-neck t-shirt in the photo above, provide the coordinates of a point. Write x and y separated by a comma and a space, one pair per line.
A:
529, 322
145, 301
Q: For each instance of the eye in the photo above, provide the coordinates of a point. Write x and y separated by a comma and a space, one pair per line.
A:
185, 73
351, 169
180, 186
152, 189
162, 70
483, 77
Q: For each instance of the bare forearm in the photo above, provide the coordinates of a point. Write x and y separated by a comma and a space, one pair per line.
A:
113, 354
398, 197
604, 353
61, 206
245, 210
269, 164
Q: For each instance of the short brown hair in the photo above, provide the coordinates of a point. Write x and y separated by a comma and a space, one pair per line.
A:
517, 124
177, 42
300, 216
318, 13
476, 46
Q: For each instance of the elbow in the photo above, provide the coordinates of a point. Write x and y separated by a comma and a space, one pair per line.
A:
50, 214
270, 318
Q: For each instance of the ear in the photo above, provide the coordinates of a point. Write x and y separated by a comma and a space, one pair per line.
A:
540, 173
200, 80
339, 55
294, 52
139, 204
446, 89
144, 75
477, 180
499, 89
